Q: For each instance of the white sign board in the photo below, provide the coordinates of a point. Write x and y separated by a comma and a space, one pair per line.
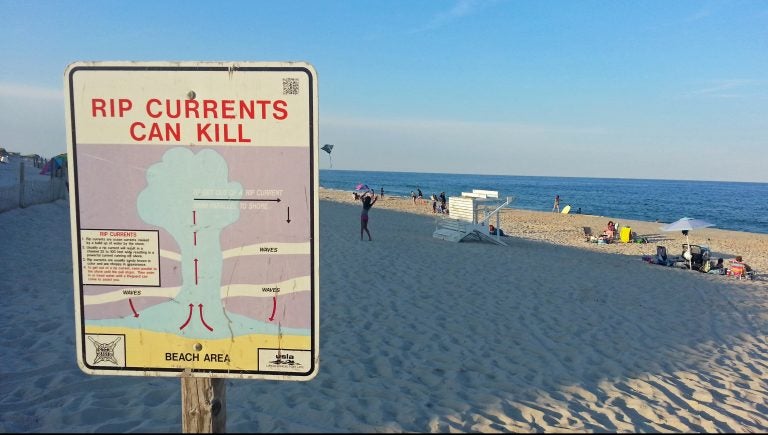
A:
194, 209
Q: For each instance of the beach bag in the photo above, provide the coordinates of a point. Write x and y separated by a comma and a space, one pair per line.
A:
706, 266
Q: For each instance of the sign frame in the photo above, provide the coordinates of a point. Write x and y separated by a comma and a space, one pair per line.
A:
121, 256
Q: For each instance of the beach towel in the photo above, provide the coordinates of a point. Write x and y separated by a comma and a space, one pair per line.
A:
625, 234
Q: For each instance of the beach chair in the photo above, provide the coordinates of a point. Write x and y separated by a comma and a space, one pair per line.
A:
739, 271
588, 234
699, 255
706, 256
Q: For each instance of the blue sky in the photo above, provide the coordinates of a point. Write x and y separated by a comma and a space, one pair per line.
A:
630, 89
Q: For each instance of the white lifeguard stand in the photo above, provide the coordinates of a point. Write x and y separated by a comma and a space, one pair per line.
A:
469, 216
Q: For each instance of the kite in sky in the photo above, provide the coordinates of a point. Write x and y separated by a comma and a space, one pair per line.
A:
328, 148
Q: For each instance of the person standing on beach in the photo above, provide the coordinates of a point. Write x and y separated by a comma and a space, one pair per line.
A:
367, 204
413, 195
420, 195
382, 192
557, 204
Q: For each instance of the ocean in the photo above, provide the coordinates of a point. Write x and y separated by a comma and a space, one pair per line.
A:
729, 205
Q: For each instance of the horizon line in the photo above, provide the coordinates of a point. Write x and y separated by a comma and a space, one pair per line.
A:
546, 176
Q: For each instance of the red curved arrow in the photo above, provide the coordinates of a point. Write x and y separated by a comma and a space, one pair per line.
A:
203, 320
188, 317
135, 314
274, 308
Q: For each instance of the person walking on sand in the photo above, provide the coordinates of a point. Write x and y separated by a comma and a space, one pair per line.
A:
367, 204
557, 204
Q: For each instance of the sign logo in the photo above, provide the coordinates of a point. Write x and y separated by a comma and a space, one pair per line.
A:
289, 360
106, 350
284, 358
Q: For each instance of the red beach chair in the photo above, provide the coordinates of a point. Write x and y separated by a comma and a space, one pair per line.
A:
739, 271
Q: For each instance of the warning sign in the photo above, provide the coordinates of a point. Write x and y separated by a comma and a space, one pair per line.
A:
195, 218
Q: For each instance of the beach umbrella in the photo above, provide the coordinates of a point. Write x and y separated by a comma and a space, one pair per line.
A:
687, 224
328, 148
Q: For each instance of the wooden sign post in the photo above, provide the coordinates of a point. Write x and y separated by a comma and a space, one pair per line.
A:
203, 405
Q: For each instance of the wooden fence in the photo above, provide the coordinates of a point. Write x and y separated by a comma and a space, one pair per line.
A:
26, 191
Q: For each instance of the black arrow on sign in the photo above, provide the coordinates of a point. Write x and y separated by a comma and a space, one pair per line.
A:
289, 215
235, 199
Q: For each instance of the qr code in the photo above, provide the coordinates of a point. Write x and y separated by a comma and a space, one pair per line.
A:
290, 86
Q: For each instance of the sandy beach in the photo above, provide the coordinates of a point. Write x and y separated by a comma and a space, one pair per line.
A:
549, 334
567, 230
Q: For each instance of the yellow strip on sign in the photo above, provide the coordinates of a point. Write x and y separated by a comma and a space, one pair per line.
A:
161, 350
